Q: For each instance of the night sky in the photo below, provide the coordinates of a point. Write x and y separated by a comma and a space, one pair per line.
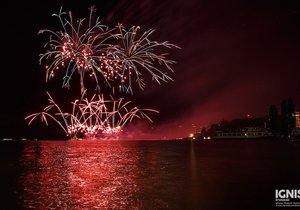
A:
237, 58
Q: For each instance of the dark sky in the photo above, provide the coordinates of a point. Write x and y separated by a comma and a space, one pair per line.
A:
237, 58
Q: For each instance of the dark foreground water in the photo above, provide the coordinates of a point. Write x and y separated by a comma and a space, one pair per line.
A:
146, 174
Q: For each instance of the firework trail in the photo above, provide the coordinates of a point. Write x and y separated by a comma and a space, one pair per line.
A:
80, 46
110, 55
139, 54
95, 118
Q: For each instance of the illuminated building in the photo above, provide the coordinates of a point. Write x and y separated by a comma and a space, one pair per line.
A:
297, 119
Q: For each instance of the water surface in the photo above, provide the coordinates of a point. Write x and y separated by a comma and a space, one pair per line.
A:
146, 174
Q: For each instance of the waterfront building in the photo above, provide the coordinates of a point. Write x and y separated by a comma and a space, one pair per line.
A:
243, 133
297, 119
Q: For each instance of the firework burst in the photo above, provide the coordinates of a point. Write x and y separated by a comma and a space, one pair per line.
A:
138, 54
80, 46
94, 118
117, 54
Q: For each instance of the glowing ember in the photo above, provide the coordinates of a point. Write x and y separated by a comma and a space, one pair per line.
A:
95, 118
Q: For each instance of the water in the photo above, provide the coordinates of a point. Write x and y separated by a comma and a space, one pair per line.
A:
146, 174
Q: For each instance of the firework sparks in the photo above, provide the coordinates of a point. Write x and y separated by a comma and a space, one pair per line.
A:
80, 46
117, 54
137, 53
93, 118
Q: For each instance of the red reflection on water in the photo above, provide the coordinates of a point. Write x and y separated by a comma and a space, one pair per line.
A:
80, 175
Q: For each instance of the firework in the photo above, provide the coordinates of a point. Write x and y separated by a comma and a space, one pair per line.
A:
97, 117
116, 56
80, 46
110, 55
138, 54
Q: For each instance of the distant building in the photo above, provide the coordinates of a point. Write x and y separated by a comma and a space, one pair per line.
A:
243, 133
295, 134
297, 119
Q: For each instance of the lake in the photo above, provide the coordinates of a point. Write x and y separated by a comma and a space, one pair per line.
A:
146, 174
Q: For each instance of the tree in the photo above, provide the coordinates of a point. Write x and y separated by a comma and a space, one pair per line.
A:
283, 108
291, 115
287, 118
273, 117
290, 107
